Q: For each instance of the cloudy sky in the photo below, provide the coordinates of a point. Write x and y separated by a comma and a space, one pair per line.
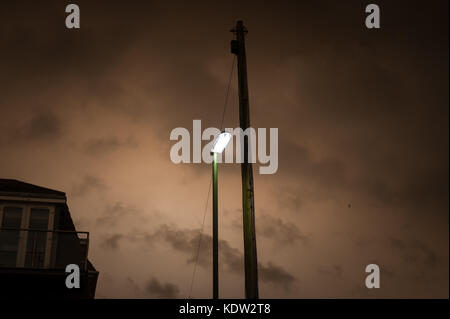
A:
363, 126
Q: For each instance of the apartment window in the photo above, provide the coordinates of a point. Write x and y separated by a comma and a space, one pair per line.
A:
37, 238
10, 217
30, 246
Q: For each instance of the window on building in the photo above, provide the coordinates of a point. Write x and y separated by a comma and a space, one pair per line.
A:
11, 219
37, 237
25, 235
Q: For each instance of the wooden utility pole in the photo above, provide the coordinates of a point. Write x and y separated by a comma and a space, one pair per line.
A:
248, 206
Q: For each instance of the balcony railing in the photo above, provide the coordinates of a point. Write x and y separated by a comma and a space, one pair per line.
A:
42, 249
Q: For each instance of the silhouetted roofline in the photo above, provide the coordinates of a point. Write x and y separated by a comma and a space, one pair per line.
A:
16, 188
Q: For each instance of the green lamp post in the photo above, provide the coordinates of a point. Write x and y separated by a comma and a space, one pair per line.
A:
219, 145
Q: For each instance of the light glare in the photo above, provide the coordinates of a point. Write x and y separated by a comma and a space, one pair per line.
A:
221, 142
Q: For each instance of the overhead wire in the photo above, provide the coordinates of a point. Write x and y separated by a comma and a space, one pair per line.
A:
209, 188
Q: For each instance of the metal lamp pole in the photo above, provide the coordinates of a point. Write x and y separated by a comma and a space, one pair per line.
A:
219, 145
215, 230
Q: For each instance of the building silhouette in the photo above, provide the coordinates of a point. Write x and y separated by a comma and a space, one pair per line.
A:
37, 241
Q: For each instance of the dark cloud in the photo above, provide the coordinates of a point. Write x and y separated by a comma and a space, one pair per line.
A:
42, 126
88, 184
53, 49
333, 271
296, 160
276, 275
281, 232
423, 192
187, 242
105, 145
415, 252
383, 182
157, 289
115, 214
153, 288
112, 242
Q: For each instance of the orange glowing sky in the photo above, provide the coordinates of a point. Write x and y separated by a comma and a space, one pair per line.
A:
363, 140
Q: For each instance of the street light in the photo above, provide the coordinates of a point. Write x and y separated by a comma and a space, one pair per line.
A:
221, 142
219, 145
